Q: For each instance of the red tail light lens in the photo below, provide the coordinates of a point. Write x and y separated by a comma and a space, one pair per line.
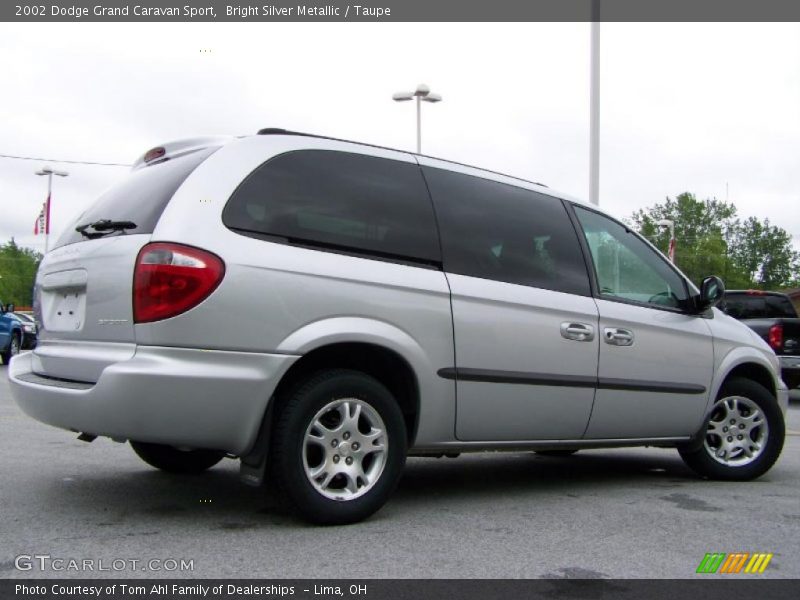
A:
776, 337
170, 279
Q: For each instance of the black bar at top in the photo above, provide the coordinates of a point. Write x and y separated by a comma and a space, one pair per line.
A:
402, 10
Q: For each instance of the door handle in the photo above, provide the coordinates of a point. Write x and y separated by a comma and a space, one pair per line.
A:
616, 336
579, 332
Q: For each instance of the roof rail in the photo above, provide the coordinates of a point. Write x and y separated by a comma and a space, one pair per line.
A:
280, 131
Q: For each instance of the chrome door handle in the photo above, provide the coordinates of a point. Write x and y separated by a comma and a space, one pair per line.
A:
616, 336
579, 332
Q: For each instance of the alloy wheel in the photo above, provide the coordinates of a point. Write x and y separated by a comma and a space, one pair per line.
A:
345, 449
737, 431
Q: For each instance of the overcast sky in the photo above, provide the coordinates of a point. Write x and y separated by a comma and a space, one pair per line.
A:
709, 108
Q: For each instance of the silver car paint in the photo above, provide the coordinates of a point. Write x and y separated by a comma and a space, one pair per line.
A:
203, 380
667, 347
735, 345
507, 327
177, 396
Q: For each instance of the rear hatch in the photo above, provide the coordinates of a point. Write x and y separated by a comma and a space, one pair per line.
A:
83, 294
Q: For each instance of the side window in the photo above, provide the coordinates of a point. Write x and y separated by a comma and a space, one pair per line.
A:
627, 267
339, 200
502, 232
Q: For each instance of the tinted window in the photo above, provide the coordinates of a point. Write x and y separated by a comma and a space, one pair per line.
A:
755, 306
141, 197
339, 200
626, 267
502, 232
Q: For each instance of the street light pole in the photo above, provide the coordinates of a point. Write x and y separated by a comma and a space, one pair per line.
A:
594, 107
49, 172
422, 93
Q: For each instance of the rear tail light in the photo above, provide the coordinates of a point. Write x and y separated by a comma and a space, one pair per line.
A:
170, 279
775, 337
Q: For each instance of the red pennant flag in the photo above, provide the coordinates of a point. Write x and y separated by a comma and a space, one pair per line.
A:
40, 222
47, 216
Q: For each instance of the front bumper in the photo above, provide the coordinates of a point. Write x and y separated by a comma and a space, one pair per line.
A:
182, 397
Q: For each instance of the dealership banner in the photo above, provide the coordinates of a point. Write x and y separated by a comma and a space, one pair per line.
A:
397, 589
402, 10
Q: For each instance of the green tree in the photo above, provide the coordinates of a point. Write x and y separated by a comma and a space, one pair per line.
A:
711, 240
765, 253
17, 273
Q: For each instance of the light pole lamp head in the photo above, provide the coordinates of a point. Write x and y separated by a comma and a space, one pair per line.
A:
432, 98
402, 96
422, 90
48, 170
665, 223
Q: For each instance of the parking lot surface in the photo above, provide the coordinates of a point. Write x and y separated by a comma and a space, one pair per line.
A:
601, 513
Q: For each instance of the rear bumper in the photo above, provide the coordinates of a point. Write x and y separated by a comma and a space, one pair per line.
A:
182, 397
790, 369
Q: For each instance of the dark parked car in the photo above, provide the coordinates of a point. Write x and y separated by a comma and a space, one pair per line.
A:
772, 316
29, 330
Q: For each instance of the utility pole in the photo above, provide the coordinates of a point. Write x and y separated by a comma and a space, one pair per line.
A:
594, 107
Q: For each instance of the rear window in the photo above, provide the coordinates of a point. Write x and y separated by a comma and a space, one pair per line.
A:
341, 202
140, 198
754, 306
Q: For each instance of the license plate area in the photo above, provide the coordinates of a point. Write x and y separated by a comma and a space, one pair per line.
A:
66, 310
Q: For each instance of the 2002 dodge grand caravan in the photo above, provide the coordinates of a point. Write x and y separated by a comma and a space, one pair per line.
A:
387, 304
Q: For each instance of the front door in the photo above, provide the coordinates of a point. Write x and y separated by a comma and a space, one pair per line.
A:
656, 358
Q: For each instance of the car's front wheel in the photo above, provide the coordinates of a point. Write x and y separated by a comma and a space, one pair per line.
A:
13, 348
743, 434
175, 460
339, 447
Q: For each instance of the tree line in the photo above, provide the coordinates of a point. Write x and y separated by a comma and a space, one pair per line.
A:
17, 273
712, 239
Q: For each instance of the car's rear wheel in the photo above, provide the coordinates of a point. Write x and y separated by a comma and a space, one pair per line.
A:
743, 434
13, 348
175, 460
339, 447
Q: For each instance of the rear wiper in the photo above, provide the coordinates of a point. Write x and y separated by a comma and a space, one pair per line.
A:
103, 227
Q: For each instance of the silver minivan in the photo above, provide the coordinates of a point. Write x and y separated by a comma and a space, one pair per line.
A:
385, 304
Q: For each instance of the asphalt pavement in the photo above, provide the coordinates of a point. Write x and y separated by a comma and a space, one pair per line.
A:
603, 513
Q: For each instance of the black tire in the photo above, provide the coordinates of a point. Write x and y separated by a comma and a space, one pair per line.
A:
291, 452
556, 452
173, 460
699, 457
13, 348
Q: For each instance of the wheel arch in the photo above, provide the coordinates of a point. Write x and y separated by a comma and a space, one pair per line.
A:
374, 347
384, 364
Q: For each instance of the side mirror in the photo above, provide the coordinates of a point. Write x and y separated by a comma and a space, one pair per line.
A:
712, 290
